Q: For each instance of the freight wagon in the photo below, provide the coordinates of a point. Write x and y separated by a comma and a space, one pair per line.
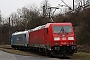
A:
52, 38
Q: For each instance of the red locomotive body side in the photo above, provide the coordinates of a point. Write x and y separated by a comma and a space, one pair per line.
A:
39, 37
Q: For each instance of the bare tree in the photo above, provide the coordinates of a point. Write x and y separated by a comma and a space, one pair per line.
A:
14, 19
0, 18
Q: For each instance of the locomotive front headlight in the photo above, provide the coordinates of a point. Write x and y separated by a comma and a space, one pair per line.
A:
70, 38
56, 38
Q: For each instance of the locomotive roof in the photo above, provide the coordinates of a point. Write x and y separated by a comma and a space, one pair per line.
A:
61, 24
37, 28
21, 32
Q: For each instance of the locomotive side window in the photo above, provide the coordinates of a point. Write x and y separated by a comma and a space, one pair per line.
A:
46, 30
58, 29
25, 35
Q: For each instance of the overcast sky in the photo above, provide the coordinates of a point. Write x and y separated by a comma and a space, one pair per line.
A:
9, 6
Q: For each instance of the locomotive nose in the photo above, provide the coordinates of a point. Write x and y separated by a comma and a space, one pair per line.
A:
63, 39
60, 38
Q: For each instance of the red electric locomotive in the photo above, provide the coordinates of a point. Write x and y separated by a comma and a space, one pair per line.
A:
54, 38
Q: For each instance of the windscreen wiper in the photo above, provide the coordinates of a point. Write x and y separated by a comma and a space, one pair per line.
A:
62, 29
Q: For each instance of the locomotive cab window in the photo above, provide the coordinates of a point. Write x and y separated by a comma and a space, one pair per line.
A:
59, 29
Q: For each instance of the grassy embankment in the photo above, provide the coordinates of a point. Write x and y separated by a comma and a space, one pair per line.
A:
81, 56
8, 49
